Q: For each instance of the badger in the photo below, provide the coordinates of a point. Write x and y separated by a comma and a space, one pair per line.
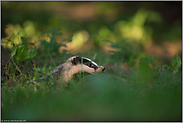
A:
72, 66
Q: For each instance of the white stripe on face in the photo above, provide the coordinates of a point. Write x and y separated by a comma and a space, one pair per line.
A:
90, 60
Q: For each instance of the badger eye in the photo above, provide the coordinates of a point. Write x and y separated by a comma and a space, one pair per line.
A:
89, 64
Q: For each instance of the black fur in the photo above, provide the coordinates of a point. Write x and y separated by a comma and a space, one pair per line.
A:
79, 60
76, 60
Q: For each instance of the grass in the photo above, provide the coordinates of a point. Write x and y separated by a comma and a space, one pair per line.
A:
107, 96
142, 94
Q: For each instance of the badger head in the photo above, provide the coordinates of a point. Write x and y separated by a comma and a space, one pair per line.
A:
86, 65
81, 64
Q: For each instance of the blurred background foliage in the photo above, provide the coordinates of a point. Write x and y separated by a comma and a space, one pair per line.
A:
148, 28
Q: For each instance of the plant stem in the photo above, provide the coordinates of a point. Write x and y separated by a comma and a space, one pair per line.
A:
51, 58
17, 67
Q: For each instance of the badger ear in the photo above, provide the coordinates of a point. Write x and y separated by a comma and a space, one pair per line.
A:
76, 60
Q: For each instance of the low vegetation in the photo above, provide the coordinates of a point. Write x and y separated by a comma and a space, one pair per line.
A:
143, 93
138, 43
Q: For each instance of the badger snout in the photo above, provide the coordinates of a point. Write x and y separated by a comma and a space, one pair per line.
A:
102, 68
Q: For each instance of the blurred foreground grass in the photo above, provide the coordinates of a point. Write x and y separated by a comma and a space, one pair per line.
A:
102, 97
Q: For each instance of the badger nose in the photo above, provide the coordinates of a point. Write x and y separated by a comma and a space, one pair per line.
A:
103, 68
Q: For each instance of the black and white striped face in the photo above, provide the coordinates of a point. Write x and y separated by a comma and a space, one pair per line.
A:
77, 64
88, 62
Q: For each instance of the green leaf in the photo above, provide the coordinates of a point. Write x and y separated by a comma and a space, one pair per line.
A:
19, 59
24, 41
13, 52
20, 53
177, 63
32, 53
28, 54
